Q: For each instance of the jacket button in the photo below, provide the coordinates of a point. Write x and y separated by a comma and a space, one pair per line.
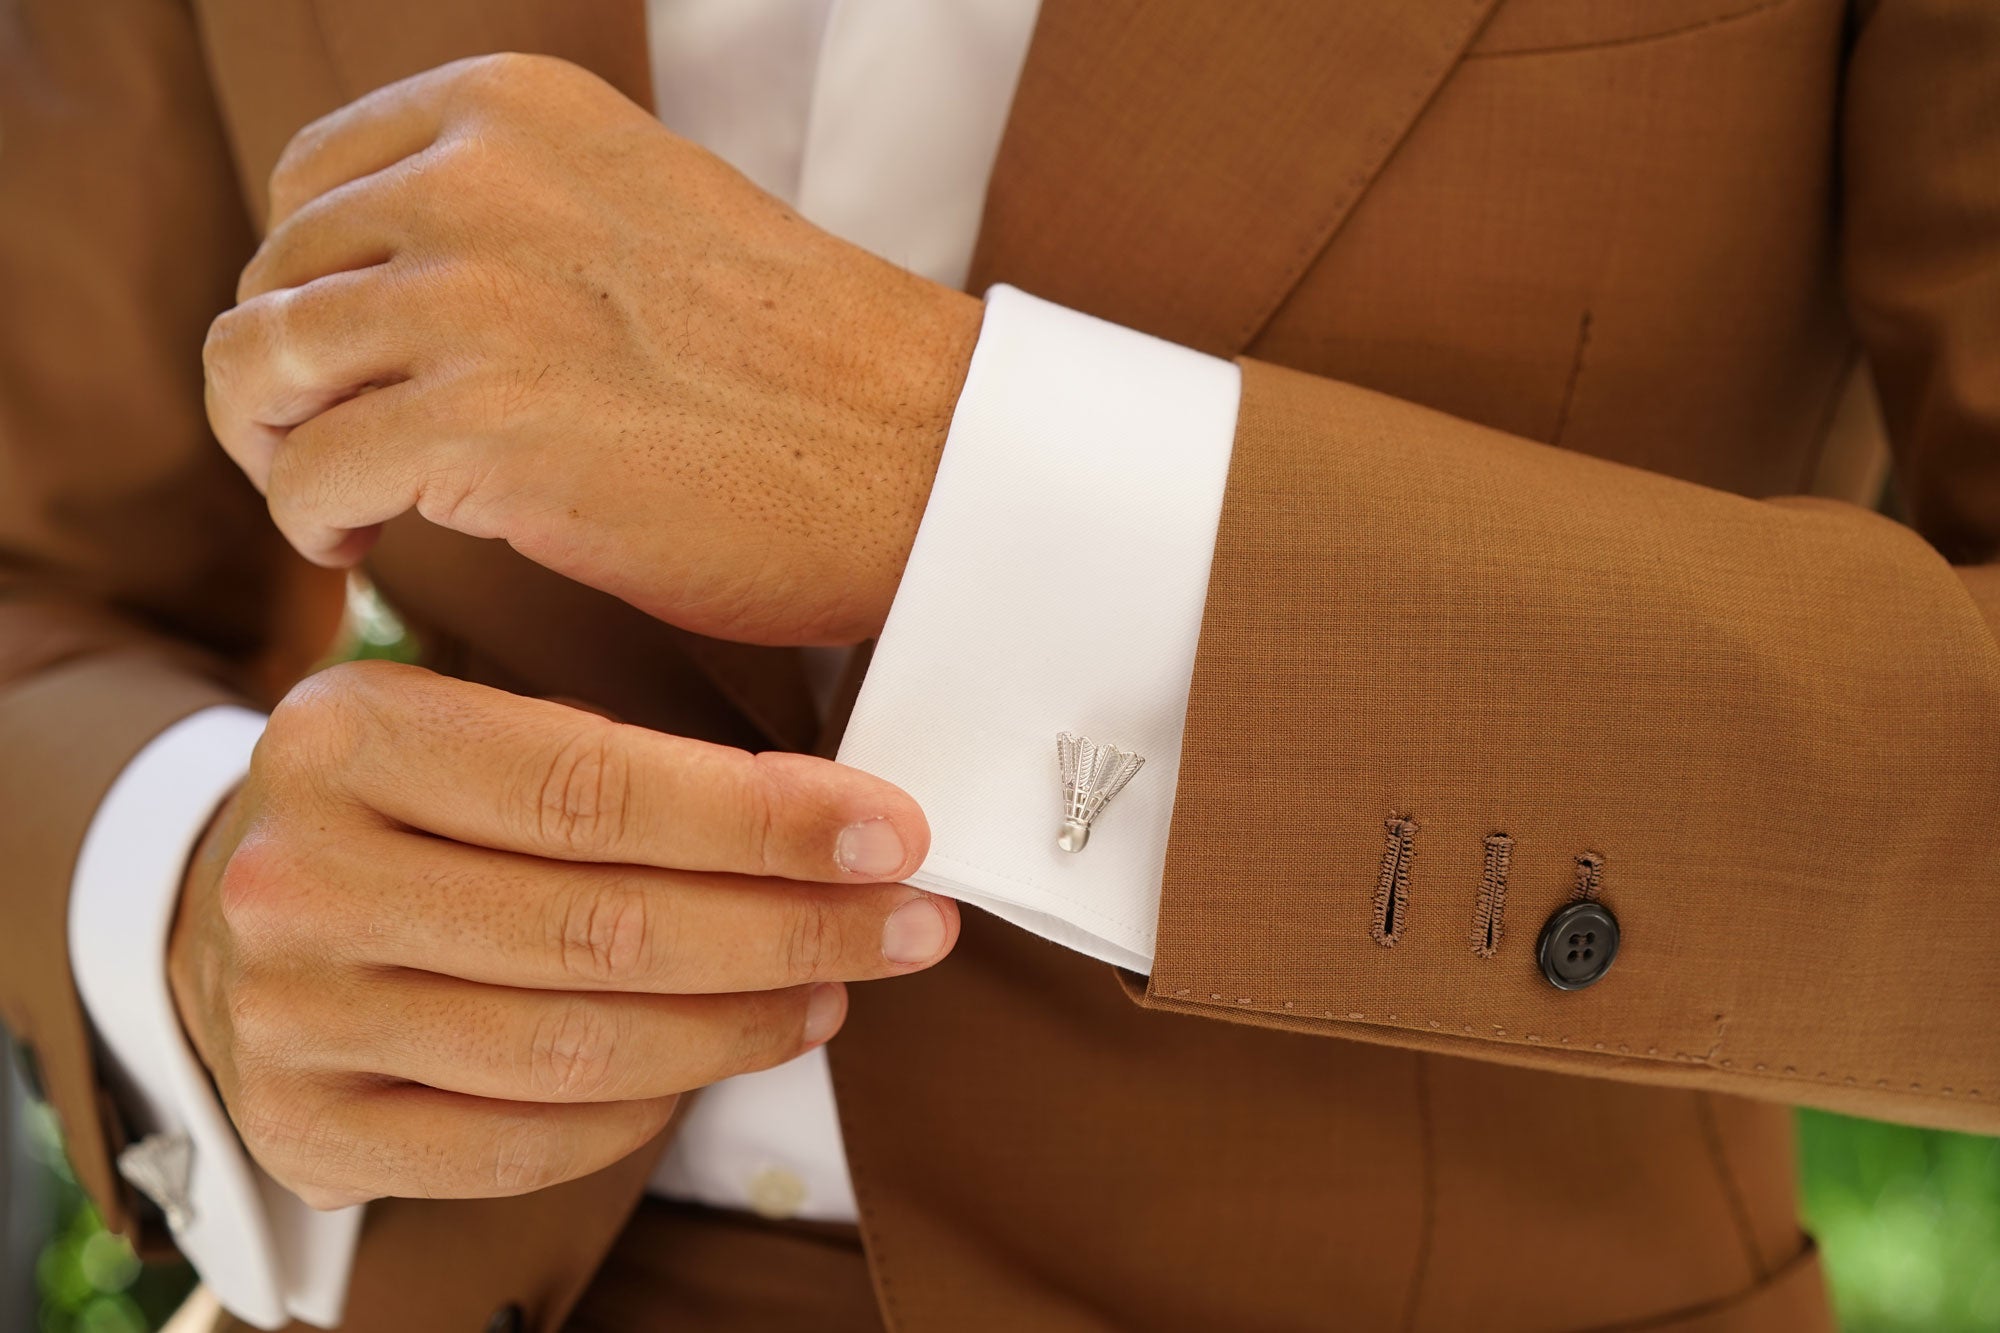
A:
507, 1319
1577, 945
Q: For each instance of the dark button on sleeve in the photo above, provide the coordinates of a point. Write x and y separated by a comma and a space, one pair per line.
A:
507, 1319
1578, 944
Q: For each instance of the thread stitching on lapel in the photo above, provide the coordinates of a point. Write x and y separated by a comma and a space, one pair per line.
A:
1589, 878
1392, 886
1486, 915
1382, 144
1637, 39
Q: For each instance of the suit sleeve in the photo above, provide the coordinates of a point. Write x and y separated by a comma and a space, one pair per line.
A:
139, 580
1455, 679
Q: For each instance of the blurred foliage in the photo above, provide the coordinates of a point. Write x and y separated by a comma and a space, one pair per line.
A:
371, 630
89, 1279
1909, 1221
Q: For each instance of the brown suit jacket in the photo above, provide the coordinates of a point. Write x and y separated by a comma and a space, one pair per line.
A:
1539, 300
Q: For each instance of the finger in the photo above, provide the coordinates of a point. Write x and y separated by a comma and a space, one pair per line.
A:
284, 357
370, 133
553, 1046
485, 767
508, 920
357, 224
410, 1141
333, 478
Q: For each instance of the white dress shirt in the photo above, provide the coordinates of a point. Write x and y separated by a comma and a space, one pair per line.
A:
879, 120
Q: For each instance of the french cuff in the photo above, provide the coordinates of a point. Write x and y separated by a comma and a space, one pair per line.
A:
1056, 586
266, 1256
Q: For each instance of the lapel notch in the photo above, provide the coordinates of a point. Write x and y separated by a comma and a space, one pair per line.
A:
1178, 167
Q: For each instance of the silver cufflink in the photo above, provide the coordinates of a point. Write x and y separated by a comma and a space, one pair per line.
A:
161, 1167
1092, 773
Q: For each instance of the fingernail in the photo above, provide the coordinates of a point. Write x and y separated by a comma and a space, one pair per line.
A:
872, 847
823, 1012
914, 932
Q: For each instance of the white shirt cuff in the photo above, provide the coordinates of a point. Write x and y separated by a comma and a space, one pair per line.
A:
1056, 584
264, 1254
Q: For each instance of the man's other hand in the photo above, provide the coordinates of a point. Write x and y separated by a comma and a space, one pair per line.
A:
446, 941
501, 294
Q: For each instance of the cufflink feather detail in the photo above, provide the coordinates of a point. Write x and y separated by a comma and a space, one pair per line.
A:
161, 1167
1092, 773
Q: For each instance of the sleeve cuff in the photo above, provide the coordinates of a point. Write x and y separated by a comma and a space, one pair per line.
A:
1056, 584
266, 1256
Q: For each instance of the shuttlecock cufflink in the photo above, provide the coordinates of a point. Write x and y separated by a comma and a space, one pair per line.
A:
1092, 773
161, 1167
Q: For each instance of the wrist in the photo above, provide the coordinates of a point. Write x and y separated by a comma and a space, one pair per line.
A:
937, 353
190, 967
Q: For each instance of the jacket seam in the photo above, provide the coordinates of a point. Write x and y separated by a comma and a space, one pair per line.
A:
1636, 39
1732, 1192
866, 1217
1571, 381
1383, 144
1167, 994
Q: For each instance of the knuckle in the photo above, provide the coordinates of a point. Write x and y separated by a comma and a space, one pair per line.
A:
222, 348
251, 890
607, 935
276, 1121
290, 314
521, 1158
768, 1033
288, 174
344, 700
761, 807
584, 793
811, 944
317, 704
261, 1026
332, 721
503, 72
463, 161
572, 1055
287, 1128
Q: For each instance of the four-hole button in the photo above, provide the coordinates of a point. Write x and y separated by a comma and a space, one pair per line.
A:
1578, 944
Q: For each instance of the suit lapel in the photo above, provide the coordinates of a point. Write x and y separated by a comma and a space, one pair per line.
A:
1178, 167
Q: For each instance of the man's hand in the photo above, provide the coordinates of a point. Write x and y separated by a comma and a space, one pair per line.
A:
446, 941
505, 296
